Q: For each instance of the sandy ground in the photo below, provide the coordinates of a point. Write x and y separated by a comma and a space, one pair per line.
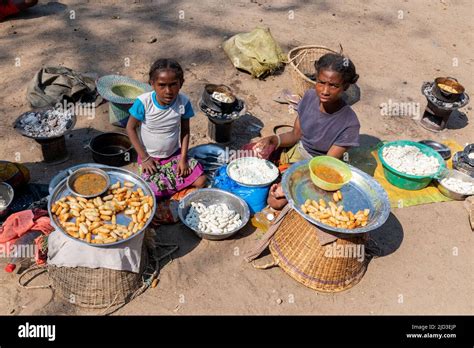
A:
427, 267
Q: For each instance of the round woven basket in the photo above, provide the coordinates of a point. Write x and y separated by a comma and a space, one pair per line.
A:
296, 249
301, 60
96, 287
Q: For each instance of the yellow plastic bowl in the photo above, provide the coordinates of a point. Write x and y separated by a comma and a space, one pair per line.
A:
333, 163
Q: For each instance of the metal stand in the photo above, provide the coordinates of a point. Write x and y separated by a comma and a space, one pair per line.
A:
219, 132
54, 150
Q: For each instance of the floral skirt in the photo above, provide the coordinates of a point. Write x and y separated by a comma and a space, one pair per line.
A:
165, 182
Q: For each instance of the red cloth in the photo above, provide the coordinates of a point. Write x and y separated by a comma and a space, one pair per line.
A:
16, 225
8, 9
24, 221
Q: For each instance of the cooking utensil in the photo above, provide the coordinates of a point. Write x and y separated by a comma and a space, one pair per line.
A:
360, 193
408, 181
115, 174
442, 149
249, 161
217, 105
210, 196
444, 95
87, 170
468, 150
461, 165
63, 174
449, 173
333, 163
112, 149
211, 157
7, 194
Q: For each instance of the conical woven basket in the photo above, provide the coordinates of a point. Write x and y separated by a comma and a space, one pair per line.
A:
296, 249
301, 60
96, 287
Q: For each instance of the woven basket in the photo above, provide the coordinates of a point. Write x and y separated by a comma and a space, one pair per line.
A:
301, 60
296, 249
96, 287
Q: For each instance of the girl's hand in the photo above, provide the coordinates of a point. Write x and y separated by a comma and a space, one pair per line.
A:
149, 167
183, 168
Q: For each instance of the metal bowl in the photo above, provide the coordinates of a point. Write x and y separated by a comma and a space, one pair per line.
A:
214, 196
63, 174
450, 173
211, 157
244, 159
88, 170
442, 149
7, 194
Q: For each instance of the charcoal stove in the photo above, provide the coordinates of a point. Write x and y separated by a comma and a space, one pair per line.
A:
221, 115
464, 160
53, 143
437, 112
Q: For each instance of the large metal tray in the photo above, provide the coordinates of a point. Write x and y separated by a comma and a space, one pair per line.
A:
360, 193
115, 174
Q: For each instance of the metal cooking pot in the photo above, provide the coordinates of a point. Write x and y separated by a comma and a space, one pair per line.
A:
466, 152
217, 105
446, 96
112, 149
7, 194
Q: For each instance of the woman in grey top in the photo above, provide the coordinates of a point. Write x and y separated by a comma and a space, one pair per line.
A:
325, 124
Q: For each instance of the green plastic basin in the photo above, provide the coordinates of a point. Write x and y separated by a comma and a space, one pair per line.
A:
408, 181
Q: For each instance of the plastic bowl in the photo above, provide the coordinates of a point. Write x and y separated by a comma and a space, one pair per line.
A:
333, 163
408, 181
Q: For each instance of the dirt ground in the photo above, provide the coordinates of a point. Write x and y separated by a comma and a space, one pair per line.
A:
427, 262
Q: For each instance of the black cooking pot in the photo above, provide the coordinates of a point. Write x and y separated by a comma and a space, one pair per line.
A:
216, 105
455, 89
112, 149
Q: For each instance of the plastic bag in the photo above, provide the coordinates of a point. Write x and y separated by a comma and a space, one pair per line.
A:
256, 197
256, 52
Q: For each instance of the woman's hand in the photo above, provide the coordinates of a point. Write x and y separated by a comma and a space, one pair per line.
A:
276, 191
263, 144
183, 168
149, 166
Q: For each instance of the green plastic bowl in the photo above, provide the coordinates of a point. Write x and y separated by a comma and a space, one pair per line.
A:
408, 181
333, 163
